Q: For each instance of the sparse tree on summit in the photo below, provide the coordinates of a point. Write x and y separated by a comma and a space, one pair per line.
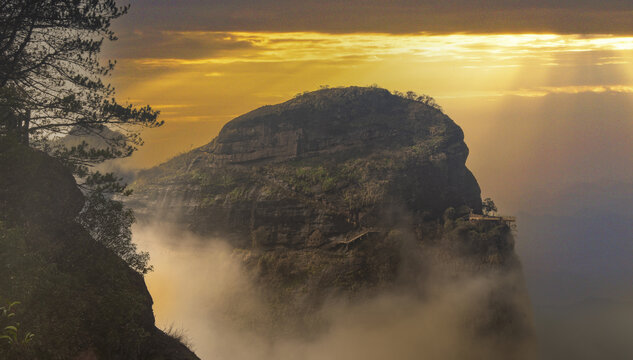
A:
424, 99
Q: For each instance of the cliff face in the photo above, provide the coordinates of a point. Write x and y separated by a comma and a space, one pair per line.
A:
316, 169
77, 297
349, 193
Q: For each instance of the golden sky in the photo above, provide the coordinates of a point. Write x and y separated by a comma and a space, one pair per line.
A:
547, 101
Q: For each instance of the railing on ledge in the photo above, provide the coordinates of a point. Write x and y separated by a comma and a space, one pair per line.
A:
509, 220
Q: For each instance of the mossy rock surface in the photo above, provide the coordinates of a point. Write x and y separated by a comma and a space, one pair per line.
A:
75, 295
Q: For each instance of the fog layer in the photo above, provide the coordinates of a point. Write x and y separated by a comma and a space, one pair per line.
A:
200, 286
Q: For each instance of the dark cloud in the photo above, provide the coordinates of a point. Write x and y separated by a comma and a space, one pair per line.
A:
397, 16
152, 43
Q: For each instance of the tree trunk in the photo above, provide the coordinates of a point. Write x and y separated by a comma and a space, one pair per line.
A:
25, 128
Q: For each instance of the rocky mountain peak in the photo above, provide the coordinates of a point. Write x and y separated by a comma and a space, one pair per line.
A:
319, 166
327, 121
344, 192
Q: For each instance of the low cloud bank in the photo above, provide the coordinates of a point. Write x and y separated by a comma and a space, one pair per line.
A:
201, 286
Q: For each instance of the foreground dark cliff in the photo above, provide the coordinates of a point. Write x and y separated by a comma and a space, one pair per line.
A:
345, 193
77, 297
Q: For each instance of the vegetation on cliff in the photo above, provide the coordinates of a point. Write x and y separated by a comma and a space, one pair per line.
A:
52, 84
76, 295
68, 258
